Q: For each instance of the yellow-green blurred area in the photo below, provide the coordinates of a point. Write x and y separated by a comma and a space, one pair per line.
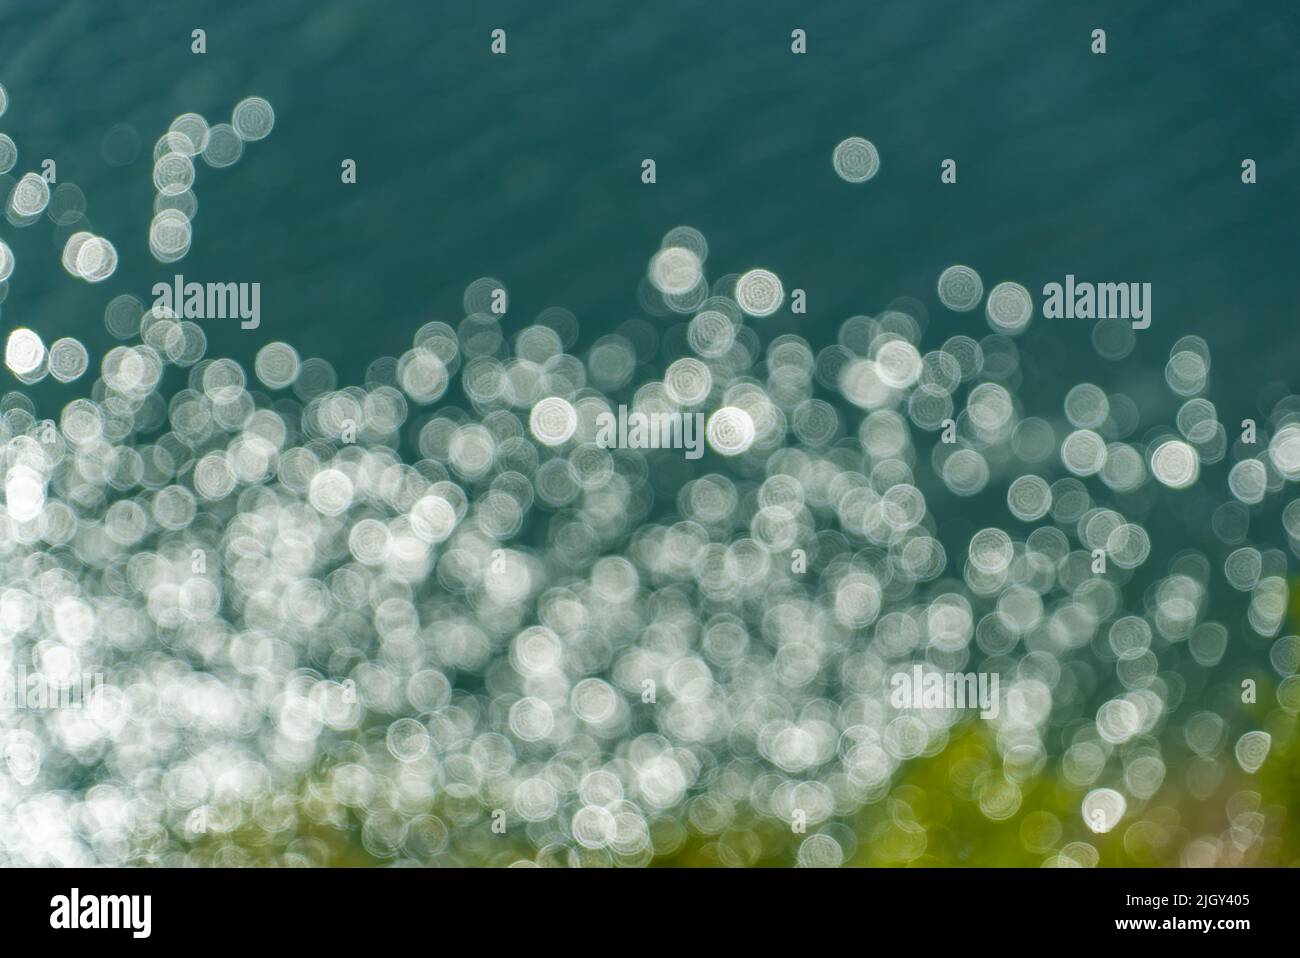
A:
959, 808
965, 806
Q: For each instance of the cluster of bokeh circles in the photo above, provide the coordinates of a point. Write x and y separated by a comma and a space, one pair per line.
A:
85, 255
94, 258
432, 619
189, 138
30, 197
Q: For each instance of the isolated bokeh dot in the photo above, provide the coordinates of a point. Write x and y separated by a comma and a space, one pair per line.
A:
856, 159
960, 288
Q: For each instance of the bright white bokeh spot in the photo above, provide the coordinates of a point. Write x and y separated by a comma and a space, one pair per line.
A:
553, 421
24, 352
730, 431
759, 293
1175, 464
675, 270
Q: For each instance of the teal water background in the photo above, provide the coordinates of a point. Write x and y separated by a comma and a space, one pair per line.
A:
526, 166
